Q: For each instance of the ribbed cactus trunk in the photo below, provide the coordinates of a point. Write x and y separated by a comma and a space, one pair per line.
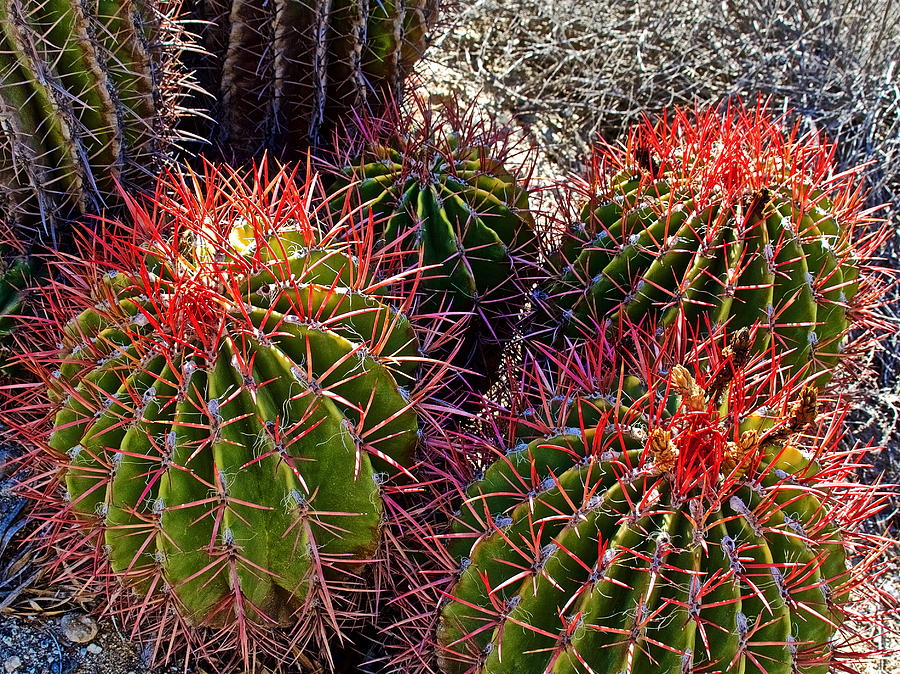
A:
86, 99
283, 74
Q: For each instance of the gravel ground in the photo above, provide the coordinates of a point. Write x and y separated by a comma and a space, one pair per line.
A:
71, 644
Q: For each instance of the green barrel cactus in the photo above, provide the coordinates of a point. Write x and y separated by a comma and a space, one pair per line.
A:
451, 197
231, 404
636, 533
88, 95
284, 75
718, 219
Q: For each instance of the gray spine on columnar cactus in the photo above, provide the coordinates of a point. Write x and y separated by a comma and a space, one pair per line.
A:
284, 74
88, 96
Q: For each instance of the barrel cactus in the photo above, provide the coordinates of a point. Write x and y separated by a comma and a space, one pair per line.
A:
233, 399
451, 196
645, 531
284, 75
719, 218
88, 97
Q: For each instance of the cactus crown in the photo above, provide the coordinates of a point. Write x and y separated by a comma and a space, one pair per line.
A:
233, 399
672, 527
721, 217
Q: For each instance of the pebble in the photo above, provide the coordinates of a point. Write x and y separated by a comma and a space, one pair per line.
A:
94, 649
12, 664
77, 628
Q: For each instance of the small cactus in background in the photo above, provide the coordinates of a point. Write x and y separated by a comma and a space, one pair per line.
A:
234, 401
451, 196
720, 218
17, 269
285, 74
621, 527
88, 96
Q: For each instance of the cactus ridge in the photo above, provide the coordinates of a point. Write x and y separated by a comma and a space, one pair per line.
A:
643, 531
719, 219
232, 401
87, 99
285, 71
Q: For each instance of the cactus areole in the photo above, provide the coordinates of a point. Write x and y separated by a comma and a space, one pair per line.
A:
674, 542
229, 409
721, 218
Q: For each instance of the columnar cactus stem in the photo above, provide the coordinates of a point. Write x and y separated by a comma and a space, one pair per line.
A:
88, 97
287, 74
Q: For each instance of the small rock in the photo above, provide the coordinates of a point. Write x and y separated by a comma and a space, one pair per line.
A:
94, 649
79, 629
12, 664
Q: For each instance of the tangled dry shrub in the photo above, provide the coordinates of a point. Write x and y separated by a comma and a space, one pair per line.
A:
578, 68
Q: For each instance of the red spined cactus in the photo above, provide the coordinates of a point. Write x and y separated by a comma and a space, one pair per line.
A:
718, 217
661, 522
231, 421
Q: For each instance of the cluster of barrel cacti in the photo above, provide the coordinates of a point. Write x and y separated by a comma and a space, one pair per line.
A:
391, 413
